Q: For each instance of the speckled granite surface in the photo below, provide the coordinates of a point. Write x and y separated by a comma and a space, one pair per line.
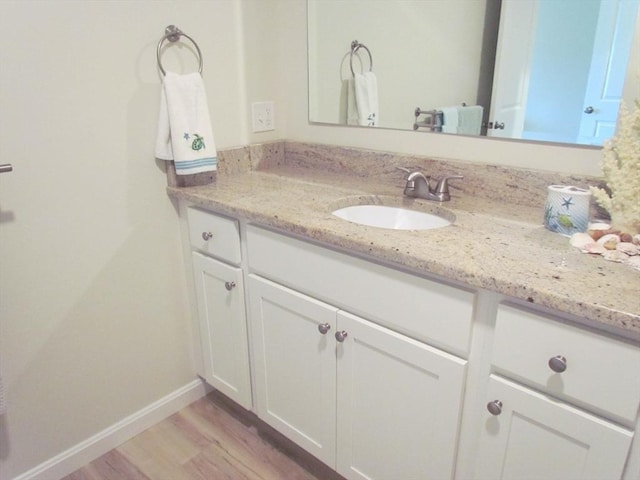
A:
497, 241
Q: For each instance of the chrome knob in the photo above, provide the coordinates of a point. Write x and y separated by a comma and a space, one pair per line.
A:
207, 236
589, 109
229, 285
6, 168
341, 335
323, 328
495, 407
558, 363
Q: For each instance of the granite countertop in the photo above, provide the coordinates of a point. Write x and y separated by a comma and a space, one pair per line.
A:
493, 246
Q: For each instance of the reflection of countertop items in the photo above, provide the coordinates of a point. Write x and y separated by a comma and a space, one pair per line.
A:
462, 119
492, 245
450, 119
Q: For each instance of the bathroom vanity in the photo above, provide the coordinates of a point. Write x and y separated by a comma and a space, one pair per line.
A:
477, 350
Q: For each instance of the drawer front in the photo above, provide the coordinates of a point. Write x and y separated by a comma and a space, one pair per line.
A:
601, 372
214, 235
426, 310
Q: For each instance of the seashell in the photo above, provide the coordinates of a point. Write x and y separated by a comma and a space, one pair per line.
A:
615, 256
633, 262
599, 226
626, 237
628, 248
596, 230
593, 248
579, 240
609, 241
636, 239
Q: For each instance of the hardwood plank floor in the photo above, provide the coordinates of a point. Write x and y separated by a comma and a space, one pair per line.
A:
211, 439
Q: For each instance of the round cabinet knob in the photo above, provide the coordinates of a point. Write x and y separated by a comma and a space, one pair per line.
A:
495, 407
207, 236
229, 285
323, 328
558, 363
341, 335
589, 110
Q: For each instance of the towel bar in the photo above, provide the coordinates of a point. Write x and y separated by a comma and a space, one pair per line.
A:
173, 34
355, 46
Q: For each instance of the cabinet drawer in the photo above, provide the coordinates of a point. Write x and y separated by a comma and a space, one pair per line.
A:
214, 235
426, 310
601, 372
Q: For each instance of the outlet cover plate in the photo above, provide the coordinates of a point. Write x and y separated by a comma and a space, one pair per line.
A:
263, 116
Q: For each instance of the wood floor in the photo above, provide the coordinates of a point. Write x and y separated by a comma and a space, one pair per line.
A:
211, 439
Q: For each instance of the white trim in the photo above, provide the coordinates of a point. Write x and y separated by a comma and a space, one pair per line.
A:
93, 447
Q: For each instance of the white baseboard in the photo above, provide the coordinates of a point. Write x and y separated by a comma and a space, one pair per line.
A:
93, 447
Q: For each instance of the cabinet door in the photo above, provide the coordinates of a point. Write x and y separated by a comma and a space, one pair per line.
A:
295, 365
535, 436
399, 405
223, 327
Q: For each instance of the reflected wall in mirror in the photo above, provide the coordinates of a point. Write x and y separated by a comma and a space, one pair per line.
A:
541, 70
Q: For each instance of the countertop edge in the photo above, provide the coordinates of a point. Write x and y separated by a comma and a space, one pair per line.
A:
626, 324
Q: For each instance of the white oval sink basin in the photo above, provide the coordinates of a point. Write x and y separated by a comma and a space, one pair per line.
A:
396, 218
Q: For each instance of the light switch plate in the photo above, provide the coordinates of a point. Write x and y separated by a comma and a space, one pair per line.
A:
263, 116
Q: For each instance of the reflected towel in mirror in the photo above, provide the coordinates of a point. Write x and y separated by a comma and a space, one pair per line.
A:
466, 120
450, 119
366, 96
470, 120
352, 109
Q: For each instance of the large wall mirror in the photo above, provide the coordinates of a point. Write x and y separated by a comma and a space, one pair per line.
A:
535, 70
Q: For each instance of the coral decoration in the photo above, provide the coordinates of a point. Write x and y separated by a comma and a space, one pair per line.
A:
621, 171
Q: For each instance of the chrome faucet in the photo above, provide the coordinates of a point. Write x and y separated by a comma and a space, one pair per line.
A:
419, 186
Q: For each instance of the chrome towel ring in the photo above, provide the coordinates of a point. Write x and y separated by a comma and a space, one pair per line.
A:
173, 34
355, 46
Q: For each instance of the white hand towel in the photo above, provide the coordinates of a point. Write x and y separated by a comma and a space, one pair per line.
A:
470, 120
450, 117
352, 108
366, 88
184, 126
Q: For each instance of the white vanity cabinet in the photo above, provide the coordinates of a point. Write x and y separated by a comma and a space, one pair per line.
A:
368, 400
219, 287
368, 367
560, 401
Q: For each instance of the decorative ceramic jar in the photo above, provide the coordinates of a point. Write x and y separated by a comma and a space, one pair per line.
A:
567, 209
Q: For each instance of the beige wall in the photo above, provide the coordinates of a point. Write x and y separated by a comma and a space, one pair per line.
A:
93, 307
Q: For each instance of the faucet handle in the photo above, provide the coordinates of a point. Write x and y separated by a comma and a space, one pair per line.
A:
443, 184
404, 169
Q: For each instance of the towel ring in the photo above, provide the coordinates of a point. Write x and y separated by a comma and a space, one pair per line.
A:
355, 46
173, 34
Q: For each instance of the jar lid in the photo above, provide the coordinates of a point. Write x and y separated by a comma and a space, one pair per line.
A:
568, 189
